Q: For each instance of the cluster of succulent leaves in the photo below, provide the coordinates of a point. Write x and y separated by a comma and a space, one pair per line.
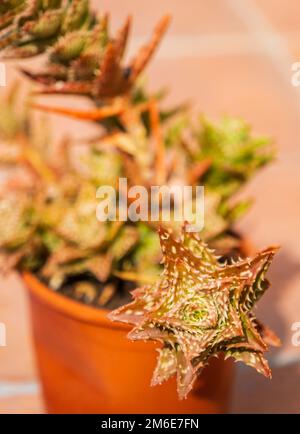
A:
29, 27
200, 308
82, 57
48, 221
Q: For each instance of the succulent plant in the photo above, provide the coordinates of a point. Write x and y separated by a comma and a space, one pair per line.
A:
29, 27
83, 58
200, 308
135, 142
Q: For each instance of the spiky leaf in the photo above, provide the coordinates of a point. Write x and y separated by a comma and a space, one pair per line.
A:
198, 309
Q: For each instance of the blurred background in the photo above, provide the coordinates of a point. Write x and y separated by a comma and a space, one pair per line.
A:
226, 57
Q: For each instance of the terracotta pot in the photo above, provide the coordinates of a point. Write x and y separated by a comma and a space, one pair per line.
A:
87, 365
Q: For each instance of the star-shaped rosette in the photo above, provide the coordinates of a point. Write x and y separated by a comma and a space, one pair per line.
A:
200, 308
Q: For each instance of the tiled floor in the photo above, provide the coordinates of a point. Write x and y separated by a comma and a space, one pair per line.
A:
227, 56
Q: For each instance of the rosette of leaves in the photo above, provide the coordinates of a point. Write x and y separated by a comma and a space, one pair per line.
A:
200, 308
234, 152
222, 156
82, 57
29, 27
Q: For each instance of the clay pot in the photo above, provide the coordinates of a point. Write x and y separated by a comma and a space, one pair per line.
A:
87, 365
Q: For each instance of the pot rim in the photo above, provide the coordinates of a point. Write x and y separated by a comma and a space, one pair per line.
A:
80, 311
67, 306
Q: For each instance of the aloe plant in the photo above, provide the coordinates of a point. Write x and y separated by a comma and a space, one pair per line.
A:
200, 308
29, 27
83, 58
